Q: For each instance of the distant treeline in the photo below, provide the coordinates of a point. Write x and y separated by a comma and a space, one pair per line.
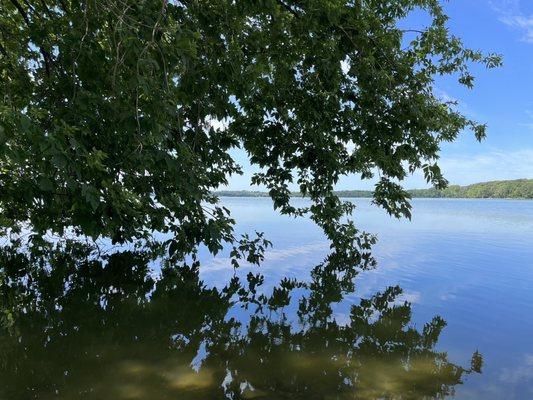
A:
515, 189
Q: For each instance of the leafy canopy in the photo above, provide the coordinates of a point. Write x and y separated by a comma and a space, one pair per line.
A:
108, 109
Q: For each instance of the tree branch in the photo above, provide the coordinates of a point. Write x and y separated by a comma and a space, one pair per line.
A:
47, 60
46, 9
30, 7
288, 8
411, 31
44, 53
64, 6
21, 11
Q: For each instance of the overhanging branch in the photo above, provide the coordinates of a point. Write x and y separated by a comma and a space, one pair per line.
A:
288, 8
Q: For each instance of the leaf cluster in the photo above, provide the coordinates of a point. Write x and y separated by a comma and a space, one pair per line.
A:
111, 110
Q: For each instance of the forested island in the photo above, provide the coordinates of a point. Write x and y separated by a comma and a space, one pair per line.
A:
510, 189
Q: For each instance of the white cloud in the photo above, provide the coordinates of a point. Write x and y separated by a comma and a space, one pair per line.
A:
457, 104
510, 14
525, 24
529, 124
445, 97
493, 165
465, 169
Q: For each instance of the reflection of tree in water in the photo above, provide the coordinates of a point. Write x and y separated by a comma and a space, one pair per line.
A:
93, 328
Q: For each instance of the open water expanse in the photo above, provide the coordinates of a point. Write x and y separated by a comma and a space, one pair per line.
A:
129, 328
468, 261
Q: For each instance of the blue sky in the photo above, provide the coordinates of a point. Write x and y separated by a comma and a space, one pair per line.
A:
502, 98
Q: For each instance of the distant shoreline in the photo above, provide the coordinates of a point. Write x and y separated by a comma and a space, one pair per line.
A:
368, 197
519, 189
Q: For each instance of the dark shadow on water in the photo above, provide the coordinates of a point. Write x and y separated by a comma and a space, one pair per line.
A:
75, 326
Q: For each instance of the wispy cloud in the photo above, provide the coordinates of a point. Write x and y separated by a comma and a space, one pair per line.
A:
445, 96
493, 165
464, 169
458, 104
522, 22
528, 124
511, 14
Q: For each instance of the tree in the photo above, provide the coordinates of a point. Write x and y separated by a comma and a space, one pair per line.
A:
108, 109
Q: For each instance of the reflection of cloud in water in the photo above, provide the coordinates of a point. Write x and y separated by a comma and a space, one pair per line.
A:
522, 372
119, 334
448, 296
410, 297
272, 255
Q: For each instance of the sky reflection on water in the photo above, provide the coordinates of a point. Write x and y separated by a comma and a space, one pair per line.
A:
88, 329
469, 261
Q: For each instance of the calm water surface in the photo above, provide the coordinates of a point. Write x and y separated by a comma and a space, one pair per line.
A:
465, 267
468, 261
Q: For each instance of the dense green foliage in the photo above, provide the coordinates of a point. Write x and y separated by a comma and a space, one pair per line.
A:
119, 118
108, 108
515, 189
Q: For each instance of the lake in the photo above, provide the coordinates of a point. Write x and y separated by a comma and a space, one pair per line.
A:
469, 261
466, 272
